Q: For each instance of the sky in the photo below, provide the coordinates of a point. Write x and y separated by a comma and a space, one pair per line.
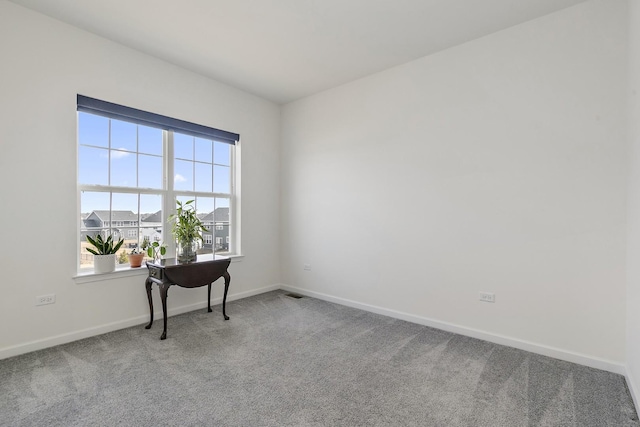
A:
113, 152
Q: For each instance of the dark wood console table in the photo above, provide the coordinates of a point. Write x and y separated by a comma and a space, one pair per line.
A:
167, 272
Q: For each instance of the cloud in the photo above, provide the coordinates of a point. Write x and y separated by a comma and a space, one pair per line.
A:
115, 154
179, 178
118, 154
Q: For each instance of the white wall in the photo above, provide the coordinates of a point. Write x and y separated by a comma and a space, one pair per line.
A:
633, 233
497, 166
44, 64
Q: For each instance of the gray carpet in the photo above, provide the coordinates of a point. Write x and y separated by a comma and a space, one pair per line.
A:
281, 361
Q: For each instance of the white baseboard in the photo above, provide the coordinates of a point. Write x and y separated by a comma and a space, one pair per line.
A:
121, 324
633, 389
569, 356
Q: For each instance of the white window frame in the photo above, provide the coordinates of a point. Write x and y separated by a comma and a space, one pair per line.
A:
168, 195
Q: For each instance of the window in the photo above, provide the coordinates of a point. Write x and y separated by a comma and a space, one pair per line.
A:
125, 159
207, 239
219, 227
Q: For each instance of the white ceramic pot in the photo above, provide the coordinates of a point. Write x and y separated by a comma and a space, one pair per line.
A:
104, 263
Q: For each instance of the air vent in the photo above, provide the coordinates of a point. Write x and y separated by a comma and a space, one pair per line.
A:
296, 296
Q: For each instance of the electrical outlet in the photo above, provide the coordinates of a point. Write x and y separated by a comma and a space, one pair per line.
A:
307, 267
46, 299
487, 297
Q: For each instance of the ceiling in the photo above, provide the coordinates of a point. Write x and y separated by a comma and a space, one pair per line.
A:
284, 50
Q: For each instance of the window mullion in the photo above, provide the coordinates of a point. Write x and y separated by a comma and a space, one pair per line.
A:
234, 231
109, 156
169, 204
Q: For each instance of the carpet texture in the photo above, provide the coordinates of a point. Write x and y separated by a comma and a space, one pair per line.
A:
282, 361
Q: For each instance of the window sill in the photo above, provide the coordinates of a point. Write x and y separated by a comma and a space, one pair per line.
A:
90, 276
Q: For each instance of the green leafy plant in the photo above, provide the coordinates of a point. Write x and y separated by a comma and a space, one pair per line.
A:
145, 244
122, 257
155, 250
186, 226
187, 229
104, 247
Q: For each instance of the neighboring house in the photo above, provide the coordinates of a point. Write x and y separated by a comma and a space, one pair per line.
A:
122, 224
151, 226
217, 222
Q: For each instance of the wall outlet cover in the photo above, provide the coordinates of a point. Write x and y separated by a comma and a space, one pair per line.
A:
487, 297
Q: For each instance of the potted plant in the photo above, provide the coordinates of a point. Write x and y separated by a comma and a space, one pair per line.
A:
155, 250
187, 229
145, 244
104, 254
135, 258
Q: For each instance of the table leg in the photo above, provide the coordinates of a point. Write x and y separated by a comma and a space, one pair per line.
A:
148, 284
163, 296
227, 280
209, 299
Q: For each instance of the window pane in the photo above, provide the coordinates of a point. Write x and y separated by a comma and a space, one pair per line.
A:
93, 166
150, 219
150, 140
94, 216
222, 153
124, 223
151, 204
93, 130
94, 207
204, 151
149, 171
221, 226
222, 179
123, 168
203, 177
221, 239
125, 202
183, 178
124, 135
182, 146
205, 207
222, 202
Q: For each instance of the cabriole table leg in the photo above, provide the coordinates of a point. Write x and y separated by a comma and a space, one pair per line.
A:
164, 288
148, 283
227, 280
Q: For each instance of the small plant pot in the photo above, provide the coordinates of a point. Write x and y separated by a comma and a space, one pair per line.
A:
135, 260
104, 263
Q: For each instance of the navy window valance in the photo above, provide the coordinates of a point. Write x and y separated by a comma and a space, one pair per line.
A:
128, 114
